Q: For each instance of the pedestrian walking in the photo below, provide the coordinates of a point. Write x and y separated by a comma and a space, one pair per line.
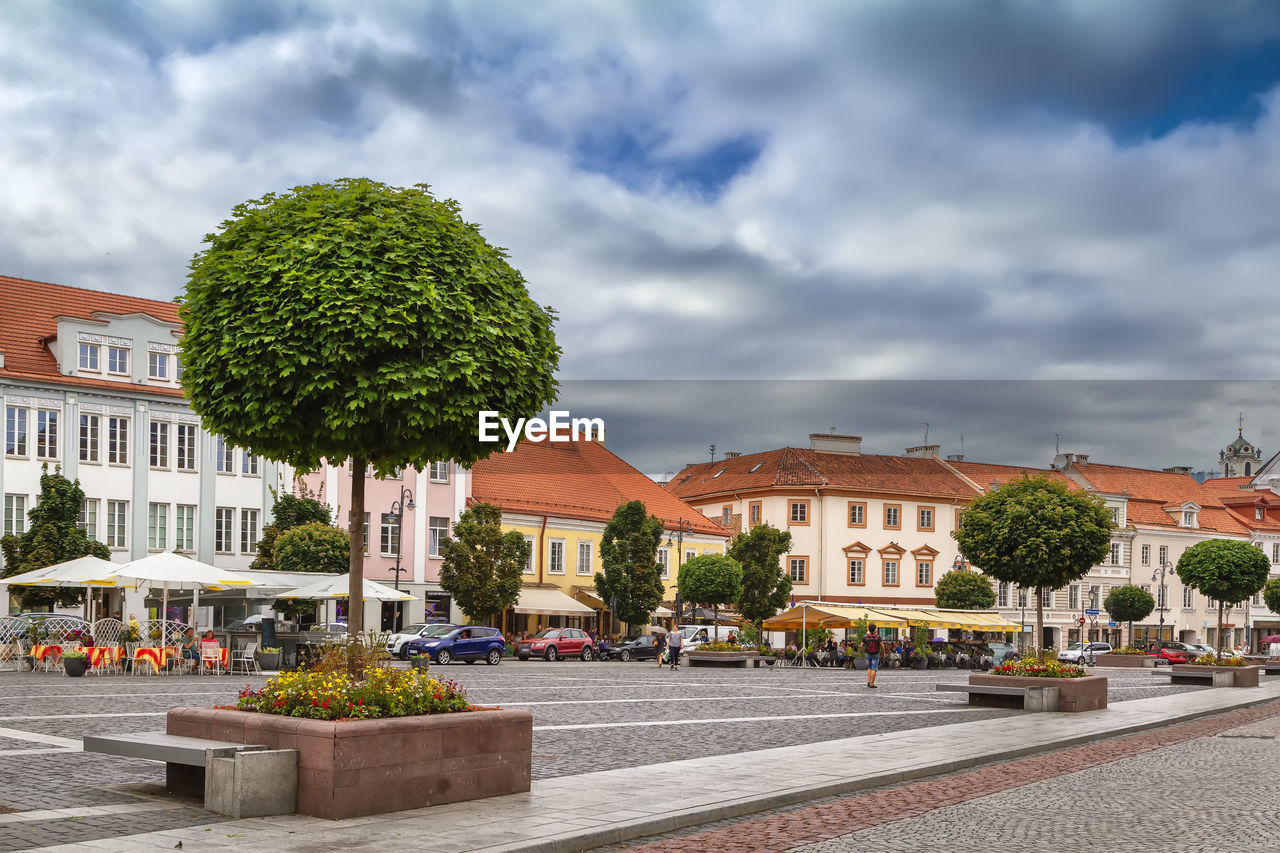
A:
675, 642
660, 643
871, 644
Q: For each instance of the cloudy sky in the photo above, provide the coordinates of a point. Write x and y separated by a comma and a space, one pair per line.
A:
873, 190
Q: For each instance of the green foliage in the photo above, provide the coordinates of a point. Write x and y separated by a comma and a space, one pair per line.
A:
1271, 595
631, 583
712, 579
1129, 603
290, 608
964, 590
483, 565
765, 585
312, 547
1226, 570
860, 627
51, 538
288, 512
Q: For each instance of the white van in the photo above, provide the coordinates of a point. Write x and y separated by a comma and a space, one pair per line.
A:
696, 635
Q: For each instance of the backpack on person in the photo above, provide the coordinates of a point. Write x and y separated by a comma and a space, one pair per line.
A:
872, 644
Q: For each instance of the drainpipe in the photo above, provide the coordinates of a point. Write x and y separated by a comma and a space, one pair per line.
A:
817, 495
542, 551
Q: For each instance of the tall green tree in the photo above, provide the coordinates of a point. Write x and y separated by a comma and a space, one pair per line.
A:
1037, 533
1271, 595
52, 537
1226, 570
631, 582
964, 590
1130, 604
358, 321
766, 586
312, 547
482, 565
711, 579
287, 512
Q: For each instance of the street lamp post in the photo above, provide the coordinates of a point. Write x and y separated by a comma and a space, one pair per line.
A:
398, 507
1165, 566
684, 525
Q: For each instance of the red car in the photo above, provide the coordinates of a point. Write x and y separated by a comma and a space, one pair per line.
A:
556, 643
1170, 655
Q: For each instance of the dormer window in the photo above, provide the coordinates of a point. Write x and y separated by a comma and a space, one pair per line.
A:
1259, 513
89, 357
1188, 518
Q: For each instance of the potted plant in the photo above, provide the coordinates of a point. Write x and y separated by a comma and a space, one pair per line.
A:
859, 660
75, 664
269, 657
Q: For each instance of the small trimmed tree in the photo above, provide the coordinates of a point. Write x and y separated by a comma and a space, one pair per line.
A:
52, 537
358, 321
766, 586
1037, 533
312, 547
482, 565
712, 579
631, 580
1271, 595
1226, 570
1130, 604
964, 590
288, 511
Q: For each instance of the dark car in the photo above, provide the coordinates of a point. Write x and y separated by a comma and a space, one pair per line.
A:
637, 648
556, 643
469, 643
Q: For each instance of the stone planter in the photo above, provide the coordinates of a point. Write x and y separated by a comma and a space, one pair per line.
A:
364, 767
742, 658
269, 661
859, 663
75, 667
1242, 676
1127, 661
919, 663
1074, 694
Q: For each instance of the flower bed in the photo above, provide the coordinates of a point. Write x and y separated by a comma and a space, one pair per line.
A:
1242, 674
383, 692
1211, 660
721, 647
1127, 660
1030, 667
1128, 650
1075, 693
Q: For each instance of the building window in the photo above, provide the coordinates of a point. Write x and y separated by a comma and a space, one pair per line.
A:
15, 515
1002, 595
1022, 597
159, 444
689, 554
249, 464
117, 512
223, 517
1188, 597
1164, 554
223, 454
15, 434
248, 531
799, 513
188, 446
1115, 516
1275, 553
439, 472
1046, 598
118, 361
364, 534
726, 515
158, 366
390, 535
926, 518
924, 573
754, 512
1073, 597
1095, 595
890, 572
1162, 600
46, 434
157, 526
1146, 555
1258, 514
798, 566
1188, 518
118, 441
89, 357
664, 563
892, 517
557, 557
437, 532
857, 514
584, 557
185, 528
89, 443
528, 564
857, 569
1115, 553
89, 518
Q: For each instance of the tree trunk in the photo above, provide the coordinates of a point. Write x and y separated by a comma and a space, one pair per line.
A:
1221, 648
355, 599
1039, 639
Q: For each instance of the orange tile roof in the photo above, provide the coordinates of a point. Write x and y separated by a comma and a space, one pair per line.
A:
1149, 492
793, 466
985, 473
1228, 484
28, 318
1249, 520
579, 479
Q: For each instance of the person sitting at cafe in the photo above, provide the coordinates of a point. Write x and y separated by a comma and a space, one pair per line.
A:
209, 637
188, 645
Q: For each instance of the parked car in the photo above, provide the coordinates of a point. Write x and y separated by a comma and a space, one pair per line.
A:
637, 648
1190, 652
1168, 653
1074, 652
395, 644
556, 643
468, 643
1001, 652
696, 635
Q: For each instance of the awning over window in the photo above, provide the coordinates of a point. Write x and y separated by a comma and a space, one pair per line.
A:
552, 602
816, 613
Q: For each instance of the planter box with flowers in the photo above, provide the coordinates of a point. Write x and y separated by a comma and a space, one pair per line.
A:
721, 654
1243, 674
1076, 690
1128, 657
388, 741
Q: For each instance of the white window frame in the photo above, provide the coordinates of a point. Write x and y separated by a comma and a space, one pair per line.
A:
157, 526
47, 434
555, 559
224, 455
158, 366
223, 529
114, 355
890, 573
248, 464
158, 445
188, 449
1046, 599
16, 431
1188, 598
1073, 597
117, 440
89, 518
1022, 597
664, 563
689, 554
924, 573
584, 568
1117, 554
438, 472
1002, 594
185, 528
90, 438
389, 534
15, 514
249, 533
798, 569
857, 571
117, 525
896, 513
1164, 554
437, 532
364, 532
90, 360
858, 514
926, 518
1275, 552
1146, 555
533, 550
798, 512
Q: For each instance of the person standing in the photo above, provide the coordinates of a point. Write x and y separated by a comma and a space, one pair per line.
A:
675, 642
871, 644
660, 643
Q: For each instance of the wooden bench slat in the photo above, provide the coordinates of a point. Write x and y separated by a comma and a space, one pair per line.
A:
985, 688
161, 746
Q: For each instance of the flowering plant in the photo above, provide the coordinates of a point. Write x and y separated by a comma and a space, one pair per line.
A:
133, 631
719, 647
1128, 650
1211, 660
1030, 667
380, 692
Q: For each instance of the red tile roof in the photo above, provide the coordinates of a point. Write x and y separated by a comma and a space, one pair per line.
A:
1149, 492
28, 319
1228, 484
985, 473
793, 466
579, 479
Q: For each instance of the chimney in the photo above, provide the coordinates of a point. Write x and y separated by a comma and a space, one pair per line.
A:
731, 454
848, 445
955, 457
1080, 459
1177, 469
924, 451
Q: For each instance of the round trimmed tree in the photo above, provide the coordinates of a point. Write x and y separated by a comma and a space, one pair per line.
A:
631, 580
1271, 595
964, 590
1130, 604
482, 565
311, 547
766, 586
1226, 570
712, 579
357, 321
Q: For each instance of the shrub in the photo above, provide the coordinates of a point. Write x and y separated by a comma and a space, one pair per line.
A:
719, 647
1211, 660
1030, 667
379, 692
1128, 650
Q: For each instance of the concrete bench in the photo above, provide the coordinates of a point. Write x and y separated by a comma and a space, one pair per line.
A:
995, 696
235, 779
1211, 677
1271, 668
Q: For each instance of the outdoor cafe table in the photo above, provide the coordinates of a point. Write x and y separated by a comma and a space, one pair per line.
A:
54, 653
156, 657
98, 655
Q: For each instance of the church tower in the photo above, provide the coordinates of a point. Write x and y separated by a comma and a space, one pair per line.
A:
1240, 458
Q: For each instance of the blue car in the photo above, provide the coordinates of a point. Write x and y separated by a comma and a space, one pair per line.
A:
470, 643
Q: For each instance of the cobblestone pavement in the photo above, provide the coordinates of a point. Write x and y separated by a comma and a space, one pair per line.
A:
587, 717
1207, 785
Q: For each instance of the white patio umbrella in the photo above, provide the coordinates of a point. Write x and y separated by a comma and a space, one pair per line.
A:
340, 587
87, 571
169, 568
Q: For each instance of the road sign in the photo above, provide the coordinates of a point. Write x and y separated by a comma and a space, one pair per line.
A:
1081, 620
1112, 624
1091, 612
